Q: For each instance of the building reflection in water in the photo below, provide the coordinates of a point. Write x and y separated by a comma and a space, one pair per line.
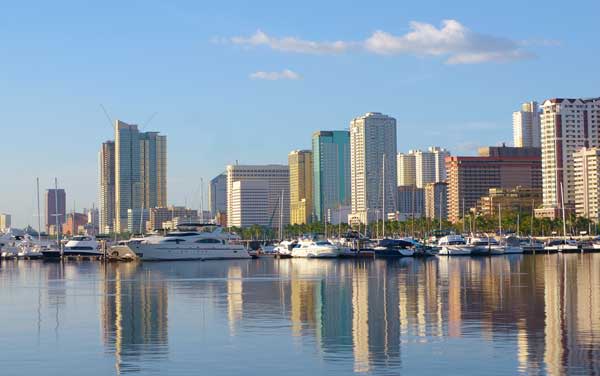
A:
234, 297
134, 316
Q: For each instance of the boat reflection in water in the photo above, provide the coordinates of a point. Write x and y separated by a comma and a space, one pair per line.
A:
514, 314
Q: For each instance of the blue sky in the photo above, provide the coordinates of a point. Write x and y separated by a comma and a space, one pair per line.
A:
251, 80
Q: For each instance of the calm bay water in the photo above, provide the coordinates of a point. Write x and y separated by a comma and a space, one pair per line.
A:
467, 316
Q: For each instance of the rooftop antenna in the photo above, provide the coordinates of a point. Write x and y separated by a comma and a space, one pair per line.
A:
145, 124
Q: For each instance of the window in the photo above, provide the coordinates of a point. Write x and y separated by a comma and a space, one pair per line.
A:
208, 241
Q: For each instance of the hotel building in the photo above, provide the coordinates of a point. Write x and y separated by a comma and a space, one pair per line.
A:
470, 178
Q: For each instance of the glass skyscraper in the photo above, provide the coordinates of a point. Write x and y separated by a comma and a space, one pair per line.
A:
331, 171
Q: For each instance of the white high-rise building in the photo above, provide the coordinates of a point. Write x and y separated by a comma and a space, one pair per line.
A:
567, 126
526, 126
373, 140
249, 203
407, 173
587, 183
106, 169
422, 167
277, 178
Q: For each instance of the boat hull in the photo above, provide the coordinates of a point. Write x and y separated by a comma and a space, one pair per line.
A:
160, 252
455, 251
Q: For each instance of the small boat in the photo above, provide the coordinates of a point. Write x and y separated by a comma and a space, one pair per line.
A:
562, 245
315, 249
284, 248
454, 245
512, 245
30, 252
394, 248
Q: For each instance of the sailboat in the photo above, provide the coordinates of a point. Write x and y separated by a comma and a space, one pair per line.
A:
563, 245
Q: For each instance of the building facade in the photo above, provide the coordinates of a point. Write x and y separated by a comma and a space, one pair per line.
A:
567, 125
106, 194
411, 201
373, 165
75, 224
217, 195
331, 171
587, 183
277, 178
158, 216
249, 204
407, 170
301, 186
153, 169
513, 199
55, 207
526, 126
470, 178
436, 203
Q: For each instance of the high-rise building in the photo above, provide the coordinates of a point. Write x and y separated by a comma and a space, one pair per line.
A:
407, 170
436, 203
526, 126
567, 125
373, 140
5, 221
440, 155
587, 183
278, 183
106, 194
136, 220
153, 169
249, 204
217, 195
331, 166
470, 178
513, 199
301, 186
56, 207
140, 171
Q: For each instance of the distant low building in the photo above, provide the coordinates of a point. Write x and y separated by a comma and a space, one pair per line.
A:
515, 199
411, 201
5, 221
158, 216
75, 224
436, 200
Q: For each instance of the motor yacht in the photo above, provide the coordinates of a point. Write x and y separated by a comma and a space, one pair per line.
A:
512, 245
394, 248
190, 242
485, 246
315, 249
285, 247
562, 245
454, 245
81, 245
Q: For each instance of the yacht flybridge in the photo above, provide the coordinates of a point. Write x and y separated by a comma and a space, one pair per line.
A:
193, 241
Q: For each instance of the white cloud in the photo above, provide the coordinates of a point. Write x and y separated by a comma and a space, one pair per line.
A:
285, 74
454, 41
291, 44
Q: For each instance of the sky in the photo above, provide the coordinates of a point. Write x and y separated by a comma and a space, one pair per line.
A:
250, 81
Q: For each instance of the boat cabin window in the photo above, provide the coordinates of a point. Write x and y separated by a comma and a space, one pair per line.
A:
81, 238
208, 241
180, 234
323, 243
174, 241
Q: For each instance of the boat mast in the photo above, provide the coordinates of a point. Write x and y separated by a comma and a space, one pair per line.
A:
56, 216
383, 201
38, 211
500, 219
281, 218
562, 199
441, 196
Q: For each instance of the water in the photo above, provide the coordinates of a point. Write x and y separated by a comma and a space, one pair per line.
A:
463, 316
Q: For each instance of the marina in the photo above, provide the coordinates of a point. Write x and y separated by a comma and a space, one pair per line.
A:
507, 315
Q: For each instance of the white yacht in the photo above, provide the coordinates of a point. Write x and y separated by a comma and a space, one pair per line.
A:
285, 247
562, 245
454, 245
485, 246
190, 242
315, 249
81, 245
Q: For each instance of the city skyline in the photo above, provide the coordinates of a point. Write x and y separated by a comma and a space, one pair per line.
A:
190, 93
